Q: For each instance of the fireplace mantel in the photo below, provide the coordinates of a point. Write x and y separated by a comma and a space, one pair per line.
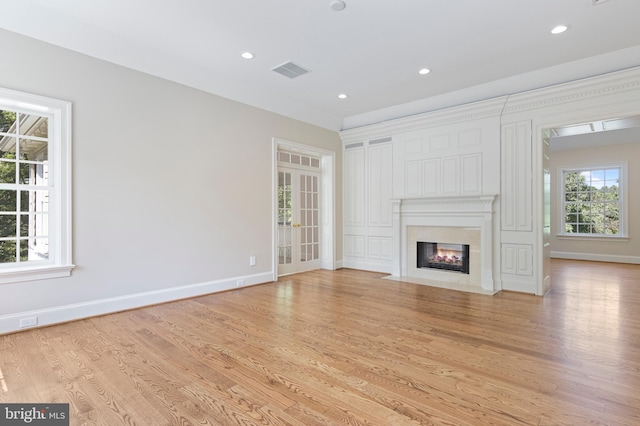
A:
471, 205
472, 212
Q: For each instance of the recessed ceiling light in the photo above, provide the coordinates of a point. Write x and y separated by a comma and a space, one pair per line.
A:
247, 55
424, 71
337, 5
559, 29
342, 96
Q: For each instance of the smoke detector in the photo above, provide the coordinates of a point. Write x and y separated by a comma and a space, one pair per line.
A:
337, 5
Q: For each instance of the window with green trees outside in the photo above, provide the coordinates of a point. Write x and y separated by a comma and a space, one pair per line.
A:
35, 187
24, 194
592, 202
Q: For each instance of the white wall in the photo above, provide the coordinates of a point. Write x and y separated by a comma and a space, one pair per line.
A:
171, 185
627, 250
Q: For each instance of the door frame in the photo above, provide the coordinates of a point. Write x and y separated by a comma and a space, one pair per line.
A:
327, 201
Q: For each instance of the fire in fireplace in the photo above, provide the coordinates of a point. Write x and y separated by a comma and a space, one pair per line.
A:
444, 256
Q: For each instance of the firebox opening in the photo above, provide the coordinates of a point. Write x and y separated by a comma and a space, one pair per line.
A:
443, 256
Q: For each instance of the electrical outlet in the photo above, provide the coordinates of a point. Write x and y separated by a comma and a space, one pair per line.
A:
239, 283
28, 322
252, 261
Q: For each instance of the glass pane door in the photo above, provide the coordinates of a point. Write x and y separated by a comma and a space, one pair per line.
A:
309, 220
284, 218
298, 221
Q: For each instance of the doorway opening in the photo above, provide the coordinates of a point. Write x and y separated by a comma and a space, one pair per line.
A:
568, 213
303, 199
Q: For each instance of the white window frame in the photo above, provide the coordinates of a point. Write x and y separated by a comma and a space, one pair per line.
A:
622, 200
58, 113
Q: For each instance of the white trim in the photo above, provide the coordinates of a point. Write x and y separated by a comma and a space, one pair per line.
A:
328, 203
59, 112
461, 113
18, 275
622, 199
557, 95
367, 265
592, 238
596, 257
456, 211
58, 314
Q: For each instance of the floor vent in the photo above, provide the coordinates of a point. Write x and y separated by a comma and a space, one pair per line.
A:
291, 70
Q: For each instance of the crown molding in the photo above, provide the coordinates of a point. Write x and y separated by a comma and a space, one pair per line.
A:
589, 88
615, 83
458, 114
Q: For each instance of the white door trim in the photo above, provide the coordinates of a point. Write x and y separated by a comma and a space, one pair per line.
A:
327, 170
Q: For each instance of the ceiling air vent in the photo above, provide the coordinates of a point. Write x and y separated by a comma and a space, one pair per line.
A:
291, 70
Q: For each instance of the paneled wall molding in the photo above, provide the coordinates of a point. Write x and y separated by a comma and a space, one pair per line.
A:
368, 221
454, 156
459, 114
516, 167
517, 259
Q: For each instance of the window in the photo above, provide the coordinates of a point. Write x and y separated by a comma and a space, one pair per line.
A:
35, 193
592, 203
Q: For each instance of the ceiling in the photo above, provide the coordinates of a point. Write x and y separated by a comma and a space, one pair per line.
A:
596, 133
371, 51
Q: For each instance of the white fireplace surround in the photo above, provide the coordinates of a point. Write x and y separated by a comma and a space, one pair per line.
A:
475, 212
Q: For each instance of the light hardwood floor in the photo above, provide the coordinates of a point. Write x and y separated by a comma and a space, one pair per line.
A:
347, 347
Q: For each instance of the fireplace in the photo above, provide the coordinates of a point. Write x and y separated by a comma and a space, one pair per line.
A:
443, 256
458, 220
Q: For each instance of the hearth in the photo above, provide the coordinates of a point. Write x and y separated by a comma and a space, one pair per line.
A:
460, 220
443, 256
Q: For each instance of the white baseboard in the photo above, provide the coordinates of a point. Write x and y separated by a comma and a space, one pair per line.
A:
519, 285
364, 265
596, 257
58, 314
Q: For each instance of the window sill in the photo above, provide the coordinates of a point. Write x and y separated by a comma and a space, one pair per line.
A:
9, 276
619, 238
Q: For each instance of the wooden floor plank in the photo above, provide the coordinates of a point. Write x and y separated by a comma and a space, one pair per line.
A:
348, 347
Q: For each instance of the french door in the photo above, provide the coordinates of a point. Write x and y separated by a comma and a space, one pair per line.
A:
298, 220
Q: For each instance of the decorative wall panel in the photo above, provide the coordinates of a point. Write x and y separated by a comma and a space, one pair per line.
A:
471, 174
432, 177
380, 248
439, 142
451, 175
413, 146
517, 259
380, 183
354, 246
469, 138
354, 187
412, 178
517, 202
